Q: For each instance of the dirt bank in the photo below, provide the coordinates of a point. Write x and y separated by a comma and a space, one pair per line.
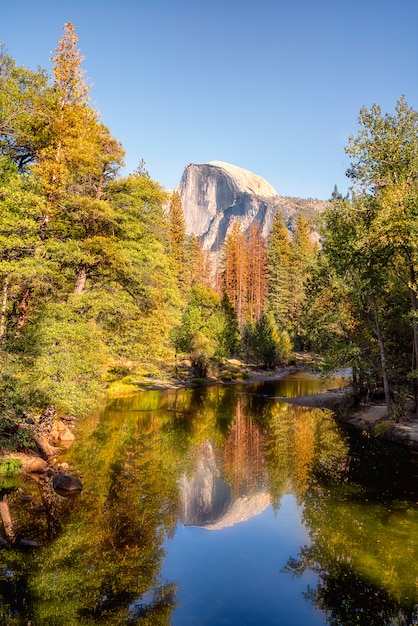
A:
372, 418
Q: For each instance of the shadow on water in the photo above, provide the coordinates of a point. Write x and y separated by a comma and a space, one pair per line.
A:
210, 472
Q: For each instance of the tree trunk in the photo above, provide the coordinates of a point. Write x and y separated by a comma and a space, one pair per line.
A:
414, 305
42, 431
4, 308
7, 518
383, 361
80, 282
23, 312
355, 383
49, 501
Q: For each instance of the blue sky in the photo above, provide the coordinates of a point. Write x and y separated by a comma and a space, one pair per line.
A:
273, 86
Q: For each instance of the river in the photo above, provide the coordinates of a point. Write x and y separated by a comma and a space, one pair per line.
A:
219, 506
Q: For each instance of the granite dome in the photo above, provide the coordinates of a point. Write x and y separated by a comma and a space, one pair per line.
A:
215, 194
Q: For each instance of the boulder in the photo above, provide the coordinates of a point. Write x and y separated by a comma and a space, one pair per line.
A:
60, 433
67, 485
36, 465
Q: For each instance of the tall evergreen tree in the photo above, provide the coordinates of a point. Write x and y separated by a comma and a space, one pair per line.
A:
230, 339
198, 262
279, 271
177, 236
303, 251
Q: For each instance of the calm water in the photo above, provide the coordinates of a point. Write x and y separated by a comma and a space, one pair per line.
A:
219, 506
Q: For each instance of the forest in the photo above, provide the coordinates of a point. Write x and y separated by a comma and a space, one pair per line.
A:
101, 283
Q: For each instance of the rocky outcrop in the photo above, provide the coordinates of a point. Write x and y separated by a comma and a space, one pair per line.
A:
214, 194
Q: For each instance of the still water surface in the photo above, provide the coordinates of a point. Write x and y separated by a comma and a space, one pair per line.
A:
219, 505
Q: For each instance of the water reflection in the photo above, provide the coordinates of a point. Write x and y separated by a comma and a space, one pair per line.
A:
313, 525
227, 486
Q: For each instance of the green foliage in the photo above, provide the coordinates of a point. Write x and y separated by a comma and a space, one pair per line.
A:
177, 236
85, 273
202, 329
10, 466
230, 339
279, 264
200, 316
67, 360
363, 296
265, 343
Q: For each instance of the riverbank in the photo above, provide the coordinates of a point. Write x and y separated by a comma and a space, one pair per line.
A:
372, 418
247, 376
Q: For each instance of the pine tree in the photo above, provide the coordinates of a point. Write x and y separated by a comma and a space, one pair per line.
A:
80, 154
177, 237
303, 252
198, 262
279, 271
230, 338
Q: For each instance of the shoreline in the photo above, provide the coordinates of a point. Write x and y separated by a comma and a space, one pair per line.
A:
372, 418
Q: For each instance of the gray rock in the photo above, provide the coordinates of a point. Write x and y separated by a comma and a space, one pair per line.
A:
214, 194
67, 485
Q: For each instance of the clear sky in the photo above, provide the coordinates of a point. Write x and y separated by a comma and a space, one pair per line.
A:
274, 86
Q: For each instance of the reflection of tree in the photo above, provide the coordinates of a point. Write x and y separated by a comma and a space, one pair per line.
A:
243, 453
297, 437
364, 544
349, 598
104, 566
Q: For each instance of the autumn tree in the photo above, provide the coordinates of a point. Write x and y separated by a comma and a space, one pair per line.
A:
80, 154
257, 261
235, 270
198, 262
84, 260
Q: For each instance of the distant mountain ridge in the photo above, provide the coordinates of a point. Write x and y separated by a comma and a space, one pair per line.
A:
215, 194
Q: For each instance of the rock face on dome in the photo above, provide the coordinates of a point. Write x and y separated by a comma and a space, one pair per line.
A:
214, 194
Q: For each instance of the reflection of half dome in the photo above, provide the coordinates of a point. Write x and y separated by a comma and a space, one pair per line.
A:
205, 496
241, 510
207, 501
